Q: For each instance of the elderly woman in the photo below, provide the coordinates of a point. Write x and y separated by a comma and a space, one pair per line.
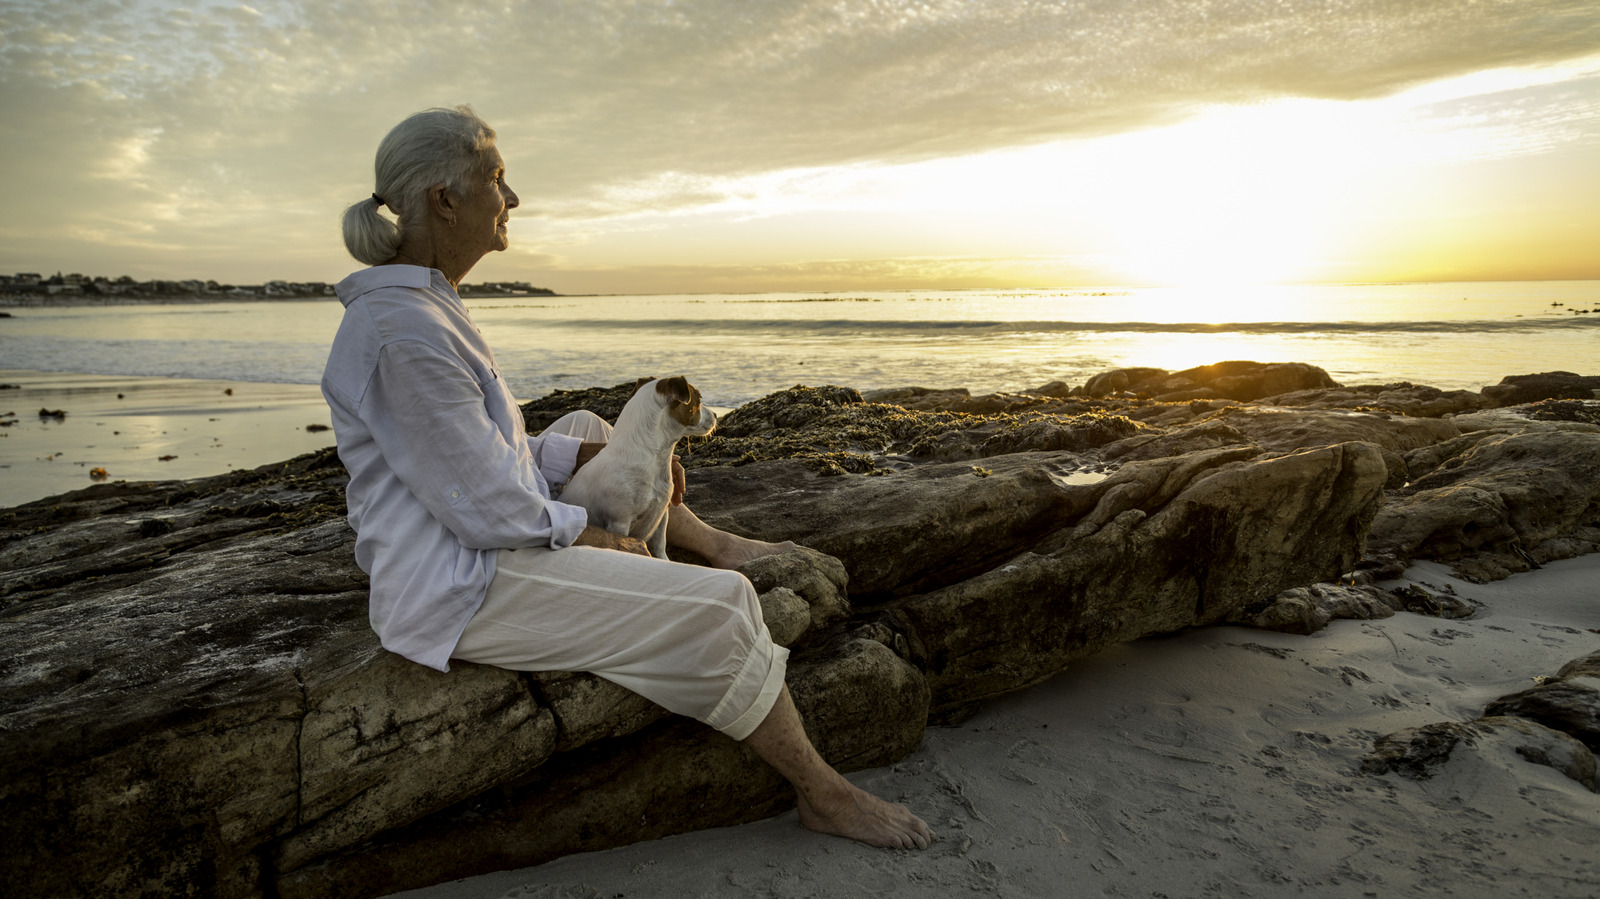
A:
472, 555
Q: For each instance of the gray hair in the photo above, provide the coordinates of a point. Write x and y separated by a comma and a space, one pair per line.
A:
435, 146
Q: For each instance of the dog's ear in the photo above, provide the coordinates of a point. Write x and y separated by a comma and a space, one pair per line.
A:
683, 401
676, 388
639, 383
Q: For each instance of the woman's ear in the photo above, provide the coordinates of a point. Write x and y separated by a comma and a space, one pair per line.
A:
441, 203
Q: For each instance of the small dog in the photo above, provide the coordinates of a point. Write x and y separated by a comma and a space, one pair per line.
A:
627, 486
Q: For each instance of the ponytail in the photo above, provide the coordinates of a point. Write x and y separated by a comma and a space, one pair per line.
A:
370, 237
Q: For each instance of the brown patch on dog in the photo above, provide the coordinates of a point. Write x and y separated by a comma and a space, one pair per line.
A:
637, 384
683, 400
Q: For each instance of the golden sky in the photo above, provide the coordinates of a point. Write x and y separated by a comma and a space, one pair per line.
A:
734, 145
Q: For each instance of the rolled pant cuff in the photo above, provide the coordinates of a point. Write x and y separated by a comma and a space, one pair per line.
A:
755, 689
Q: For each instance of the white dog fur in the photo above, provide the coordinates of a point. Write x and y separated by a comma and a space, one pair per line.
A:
627, 486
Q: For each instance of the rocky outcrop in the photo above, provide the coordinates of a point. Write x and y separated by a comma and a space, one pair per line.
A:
1306, 610
1225, 380
194, 704
1001, 575
1415, 400
1490, 492
1568, 702
1559, 385
862, 705
1570, 706
1497, 502
1556, 724
1420, 752
205, 711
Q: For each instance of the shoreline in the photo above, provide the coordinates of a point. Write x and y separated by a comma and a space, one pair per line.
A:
154, 428
1218, 762
80, 302
142, 428
36, 301
148, 428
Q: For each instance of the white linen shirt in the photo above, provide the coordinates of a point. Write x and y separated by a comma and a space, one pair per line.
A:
442, 472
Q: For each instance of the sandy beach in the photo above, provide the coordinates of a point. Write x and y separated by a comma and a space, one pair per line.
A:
144, 428
1220, 762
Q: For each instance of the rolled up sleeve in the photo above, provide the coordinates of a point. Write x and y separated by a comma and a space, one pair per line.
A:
556, 455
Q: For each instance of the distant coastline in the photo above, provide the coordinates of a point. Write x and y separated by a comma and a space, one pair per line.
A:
28, 289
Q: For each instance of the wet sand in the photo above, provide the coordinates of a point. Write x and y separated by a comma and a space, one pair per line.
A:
1223, 762
142, 428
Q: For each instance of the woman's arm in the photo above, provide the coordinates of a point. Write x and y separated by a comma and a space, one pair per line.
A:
427, 413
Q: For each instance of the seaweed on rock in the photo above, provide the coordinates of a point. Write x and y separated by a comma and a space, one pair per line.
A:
833, 430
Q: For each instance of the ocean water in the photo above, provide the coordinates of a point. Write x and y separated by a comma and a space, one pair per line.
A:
737, 347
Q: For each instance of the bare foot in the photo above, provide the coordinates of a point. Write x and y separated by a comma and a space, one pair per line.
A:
861, 816
736, 551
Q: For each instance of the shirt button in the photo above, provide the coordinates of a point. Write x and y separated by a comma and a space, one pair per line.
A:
455, 494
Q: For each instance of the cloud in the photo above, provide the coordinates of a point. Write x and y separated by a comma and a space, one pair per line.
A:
1517, 121
722, 92
252, 125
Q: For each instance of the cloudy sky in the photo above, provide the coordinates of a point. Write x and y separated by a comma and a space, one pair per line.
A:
705, 145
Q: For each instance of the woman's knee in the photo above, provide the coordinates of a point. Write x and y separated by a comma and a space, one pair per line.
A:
744, 599
582, 424
734, 604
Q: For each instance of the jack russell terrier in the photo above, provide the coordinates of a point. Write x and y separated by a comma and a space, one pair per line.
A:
627, 486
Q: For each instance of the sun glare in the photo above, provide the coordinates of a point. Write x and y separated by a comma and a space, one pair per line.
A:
1286, 191
1241, 196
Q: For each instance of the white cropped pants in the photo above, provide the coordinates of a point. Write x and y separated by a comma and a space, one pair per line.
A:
690, 639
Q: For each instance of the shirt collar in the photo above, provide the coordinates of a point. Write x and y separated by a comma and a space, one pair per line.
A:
379, 276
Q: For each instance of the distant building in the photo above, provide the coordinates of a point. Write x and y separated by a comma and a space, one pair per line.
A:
76, 283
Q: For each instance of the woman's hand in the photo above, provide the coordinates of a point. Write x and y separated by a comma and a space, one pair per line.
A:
603, 539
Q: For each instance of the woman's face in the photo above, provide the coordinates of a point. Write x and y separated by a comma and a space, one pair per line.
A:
487, 206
